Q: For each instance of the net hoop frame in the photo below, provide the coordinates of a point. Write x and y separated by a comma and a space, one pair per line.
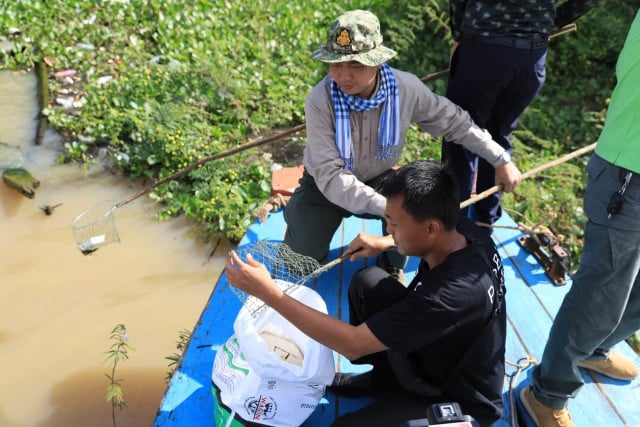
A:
96, 227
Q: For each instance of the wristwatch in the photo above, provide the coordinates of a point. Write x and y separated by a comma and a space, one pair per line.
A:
502, 159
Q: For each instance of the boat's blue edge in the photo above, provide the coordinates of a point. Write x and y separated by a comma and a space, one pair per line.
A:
532, 301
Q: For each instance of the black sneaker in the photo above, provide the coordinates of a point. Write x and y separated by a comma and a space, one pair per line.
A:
353, 385
395, 272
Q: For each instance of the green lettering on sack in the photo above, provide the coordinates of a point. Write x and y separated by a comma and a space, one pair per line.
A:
231, 364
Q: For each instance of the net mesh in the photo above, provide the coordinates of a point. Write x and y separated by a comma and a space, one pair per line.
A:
289, 269
96, 227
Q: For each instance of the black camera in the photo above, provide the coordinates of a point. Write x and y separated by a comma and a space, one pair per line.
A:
443, 414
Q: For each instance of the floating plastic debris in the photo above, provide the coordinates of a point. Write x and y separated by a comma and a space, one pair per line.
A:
92, 244
103, 80
85, 46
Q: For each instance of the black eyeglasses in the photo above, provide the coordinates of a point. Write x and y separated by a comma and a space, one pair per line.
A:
615, 204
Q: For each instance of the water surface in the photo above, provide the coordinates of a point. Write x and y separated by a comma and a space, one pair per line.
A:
58, 307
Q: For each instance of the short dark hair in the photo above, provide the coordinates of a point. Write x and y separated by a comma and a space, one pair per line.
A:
429, 190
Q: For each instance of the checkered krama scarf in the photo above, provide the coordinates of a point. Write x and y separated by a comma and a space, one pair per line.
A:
388, 127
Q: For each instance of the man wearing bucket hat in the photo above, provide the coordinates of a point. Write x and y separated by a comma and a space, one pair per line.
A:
357, 119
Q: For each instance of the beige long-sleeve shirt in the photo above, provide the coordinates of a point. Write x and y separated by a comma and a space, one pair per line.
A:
434, 114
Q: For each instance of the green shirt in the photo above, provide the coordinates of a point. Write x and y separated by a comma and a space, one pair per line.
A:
619, 142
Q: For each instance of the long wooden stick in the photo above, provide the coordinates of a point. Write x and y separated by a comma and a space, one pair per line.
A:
207, 159
478, 197
330, 265
295, 129
496, 188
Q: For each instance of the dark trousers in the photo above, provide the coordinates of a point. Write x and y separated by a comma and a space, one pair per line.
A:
494, 84
372, 289
312, 221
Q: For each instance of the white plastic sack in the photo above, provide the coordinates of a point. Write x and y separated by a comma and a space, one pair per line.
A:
259, 385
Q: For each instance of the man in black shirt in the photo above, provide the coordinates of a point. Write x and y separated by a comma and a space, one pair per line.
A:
497, 69
442, 338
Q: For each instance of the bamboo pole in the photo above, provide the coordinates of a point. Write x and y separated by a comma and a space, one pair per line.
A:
295, 129
442, 73
207, 159
538, 169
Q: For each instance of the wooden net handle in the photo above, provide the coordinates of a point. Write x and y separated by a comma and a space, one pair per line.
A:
330, 265
207, 159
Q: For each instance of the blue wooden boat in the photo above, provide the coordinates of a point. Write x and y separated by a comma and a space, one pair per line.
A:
532, 301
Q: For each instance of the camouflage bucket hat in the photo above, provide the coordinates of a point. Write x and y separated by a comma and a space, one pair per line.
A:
355, 36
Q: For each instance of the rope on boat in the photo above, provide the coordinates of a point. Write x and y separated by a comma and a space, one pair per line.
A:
522, 364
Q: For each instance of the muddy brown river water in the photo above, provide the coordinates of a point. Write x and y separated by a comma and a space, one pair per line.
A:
58, 307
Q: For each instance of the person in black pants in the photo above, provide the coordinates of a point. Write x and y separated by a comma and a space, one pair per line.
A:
497, 69
442, 338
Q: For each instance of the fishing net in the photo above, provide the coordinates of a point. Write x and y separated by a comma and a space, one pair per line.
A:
96, 227
289, 269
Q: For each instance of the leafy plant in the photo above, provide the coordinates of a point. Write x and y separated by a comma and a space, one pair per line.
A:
118, 353
183, 339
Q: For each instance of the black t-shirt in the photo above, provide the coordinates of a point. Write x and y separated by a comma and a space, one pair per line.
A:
436, 323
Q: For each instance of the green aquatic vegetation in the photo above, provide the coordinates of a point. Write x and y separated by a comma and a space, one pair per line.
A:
160, 84
163, 84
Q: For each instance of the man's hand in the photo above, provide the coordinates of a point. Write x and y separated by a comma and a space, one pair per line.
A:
370, 246
508, 176
251, 276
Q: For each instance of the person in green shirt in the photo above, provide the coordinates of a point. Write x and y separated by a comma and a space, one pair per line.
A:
603, 306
